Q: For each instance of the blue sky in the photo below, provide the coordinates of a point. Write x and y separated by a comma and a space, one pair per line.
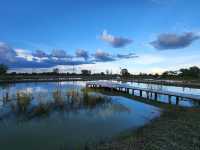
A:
142, 35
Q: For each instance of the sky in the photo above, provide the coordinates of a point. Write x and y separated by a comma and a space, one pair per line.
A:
149, 36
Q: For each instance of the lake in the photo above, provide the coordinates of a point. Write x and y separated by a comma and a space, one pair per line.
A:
53, 116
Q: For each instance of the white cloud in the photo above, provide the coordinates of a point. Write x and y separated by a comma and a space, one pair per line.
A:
116, 42
7, 53
22, 53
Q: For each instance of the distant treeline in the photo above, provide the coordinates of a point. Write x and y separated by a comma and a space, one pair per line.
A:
184, 73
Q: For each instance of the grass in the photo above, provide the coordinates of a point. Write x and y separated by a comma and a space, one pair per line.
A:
41, 110
178, 128
23, 100
61, 101
91, 100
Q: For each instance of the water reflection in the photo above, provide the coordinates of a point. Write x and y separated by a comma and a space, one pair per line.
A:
28, 105
164, 98
49, 115
166, 88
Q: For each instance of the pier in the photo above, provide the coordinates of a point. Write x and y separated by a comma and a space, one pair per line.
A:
150, 93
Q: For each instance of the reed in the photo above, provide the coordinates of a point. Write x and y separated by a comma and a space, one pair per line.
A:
23, 100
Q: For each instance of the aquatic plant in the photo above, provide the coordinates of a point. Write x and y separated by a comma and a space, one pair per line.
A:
72, 100
74, 96
91, 99
6, 97
23, 100
41, 109
85, 94
58, 98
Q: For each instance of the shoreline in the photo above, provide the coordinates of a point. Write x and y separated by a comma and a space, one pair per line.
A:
177, 83
175, 128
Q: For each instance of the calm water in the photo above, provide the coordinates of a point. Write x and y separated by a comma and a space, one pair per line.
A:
41, 120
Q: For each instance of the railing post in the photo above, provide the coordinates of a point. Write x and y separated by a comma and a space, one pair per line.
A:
155, 96
147, 94
133, 92
127, 90
177, 100
169, 99
140, 93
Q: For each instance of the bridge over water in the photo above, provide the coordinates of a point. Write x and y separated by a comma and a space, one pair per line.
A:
150, 93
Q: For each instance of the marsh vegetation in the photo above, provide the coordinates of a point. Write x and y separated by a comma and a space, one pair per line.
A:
23, 102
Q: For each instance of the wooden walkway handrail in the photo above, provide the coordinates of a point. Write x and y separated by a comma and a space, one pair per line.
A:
126, 88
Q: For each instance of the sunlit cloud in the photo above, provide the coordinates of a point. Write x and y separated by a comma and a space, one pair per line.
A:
22, 58
114, 41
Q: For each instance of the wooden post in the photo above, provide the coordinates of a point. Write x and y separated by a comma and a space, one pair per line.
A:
155, 96
133, 92
147, 94
169, 99
177, 100
127, 90
140, 93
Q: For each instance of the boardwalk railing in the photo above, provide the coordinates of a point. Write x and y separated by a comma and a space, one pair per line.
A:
149, 92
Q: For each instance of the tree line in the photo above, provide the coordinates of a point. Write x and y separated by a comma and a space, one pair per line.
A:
183, 73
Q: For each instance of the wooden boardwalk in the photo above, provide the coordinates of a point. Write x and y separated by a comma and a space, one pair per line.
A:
150, 93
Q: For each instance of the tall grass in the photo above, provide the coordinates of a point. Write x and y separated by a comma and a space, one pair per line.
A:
61, 101
23, 100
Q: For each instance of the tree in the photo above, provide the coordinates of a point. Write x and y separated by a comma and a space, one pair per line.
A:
192, 72
102, 73
124, 72
167, 74
56, 71
3, 69
107, 72
85, 72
